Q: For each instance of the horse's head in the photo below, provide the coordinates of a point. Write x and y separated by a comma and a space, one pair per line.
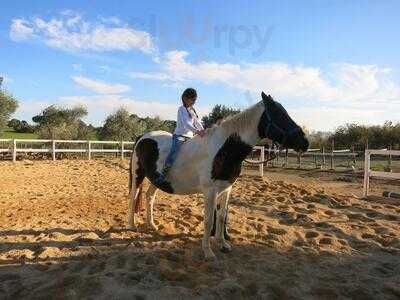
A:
276, 125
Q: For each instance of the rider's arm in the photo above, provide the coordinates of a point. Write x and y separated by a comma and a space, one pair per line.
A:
198, 124
185, 120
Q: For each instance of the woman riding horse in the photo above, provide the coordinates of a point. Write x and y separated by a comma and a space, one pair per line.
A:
209, 164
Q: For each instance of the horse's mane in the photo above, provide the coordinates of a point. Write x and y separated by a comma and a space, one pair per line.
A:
237, 122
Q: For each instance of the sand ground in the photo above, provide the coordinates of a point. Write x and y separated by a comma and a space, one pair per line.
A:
63, 236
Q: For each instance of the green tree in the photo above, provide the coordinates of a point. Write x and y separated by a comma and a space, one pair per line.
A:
14, 123
20, 126
156, 123
360, 136
8, 105
61, 123
318, 139
218, 112
121, 126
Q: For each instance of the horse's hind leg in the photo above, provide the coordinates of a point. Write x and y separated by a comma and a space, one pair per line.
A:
150, 197
136, 177
221, 217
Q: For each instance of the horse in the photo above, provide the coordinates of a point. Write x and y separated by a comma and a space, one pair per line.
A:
210, 164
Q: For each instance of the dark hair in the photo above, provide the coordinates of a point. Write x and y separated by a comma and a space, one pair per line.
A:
189, 93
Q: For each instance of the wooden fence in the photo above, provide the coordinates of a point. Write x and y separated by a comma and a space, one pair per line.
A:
327, 158
378, 174
16, 146
50, 146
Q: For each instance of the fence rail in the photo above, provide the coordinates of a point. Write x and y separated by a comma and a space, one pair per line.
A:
13, 148
378, 174
315, 153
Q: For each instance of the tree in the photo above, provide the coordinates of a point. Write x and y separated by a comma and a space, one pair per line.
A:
318, 139
8, 105
121, 126
14, 123
218, 112
360, 136
156, 123
169, 125
61, 123
20, 126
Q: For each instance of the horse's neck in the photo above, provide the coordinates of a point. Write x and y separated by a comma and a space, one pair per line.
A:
245, 124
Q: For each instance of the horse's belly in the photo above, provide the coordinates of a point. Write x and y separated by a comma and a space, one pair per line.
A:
184, 185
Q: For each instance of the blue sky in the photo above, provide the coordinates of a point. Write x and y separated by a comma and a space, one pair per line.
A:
328, 62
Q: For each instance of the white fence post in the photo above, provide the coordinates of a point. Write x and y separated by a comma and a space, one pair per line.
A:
367, 164
89, 149
14, 150
262, 158
122, 150
53, 149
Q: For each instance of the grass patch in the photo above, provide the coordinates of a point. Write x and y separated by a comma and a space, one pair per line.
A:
380, 168
9, 133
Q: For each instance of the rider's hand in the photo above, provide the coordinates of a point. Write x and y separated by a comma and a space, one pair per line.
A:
201, 133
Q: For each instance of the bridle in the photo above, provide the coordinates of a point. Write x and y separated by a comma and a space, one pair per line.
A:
271, 125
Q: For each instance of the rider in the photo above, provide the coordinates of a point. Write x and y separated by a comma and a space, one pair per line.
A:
187, 125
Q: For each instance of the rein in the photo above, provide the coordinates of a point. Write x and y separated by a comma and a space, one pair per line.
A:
254, 162
260, 162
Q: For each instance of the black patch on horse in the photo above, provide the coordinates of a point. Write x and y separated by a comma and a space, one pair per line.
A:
261, 125
140, 174
147, 153
227, 163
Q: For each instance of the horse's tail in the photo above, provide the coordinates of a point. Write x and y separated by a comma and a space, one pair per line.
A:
139, 200
136, 177
131, 163
130, 172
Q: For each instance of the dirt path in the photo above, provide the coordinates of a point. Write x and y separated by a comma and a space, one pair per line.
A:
62, 235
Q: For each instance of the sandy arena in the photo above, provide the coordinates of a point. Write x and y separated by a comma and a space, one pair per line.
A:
63, 236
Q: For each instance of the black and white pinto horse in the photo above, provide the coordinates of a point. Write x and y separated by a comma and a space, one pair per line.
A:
209, 164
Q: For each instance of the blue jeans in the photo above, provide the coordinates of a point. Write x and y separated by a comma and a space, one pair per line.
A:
177, 142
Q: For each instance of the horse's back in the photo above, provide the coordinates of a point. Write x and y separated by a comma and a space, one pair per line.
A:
152, 150
163, 139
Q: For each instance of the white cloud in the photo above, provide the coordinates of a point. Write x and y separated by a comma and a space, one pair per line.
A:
100, 87
341, 83
21, 30
150, 76
328, 118
70, 32
320, 99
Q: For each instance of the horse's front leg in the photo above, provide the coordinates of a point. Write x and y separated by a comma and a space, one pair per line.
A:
210, 199
222, 208
150, 197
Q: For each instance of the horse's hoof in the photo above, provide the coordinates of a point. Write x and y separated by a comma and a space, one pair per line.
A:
227, 236
226, 248
131, 227
152, 227
209, 255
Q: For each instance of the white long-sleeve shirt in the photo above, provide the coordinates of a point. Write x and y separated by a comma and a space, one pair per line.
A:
187, 125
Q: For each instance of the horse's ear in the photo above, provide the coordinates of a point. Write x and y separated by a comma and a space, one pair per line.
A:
263, 96
266, 99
